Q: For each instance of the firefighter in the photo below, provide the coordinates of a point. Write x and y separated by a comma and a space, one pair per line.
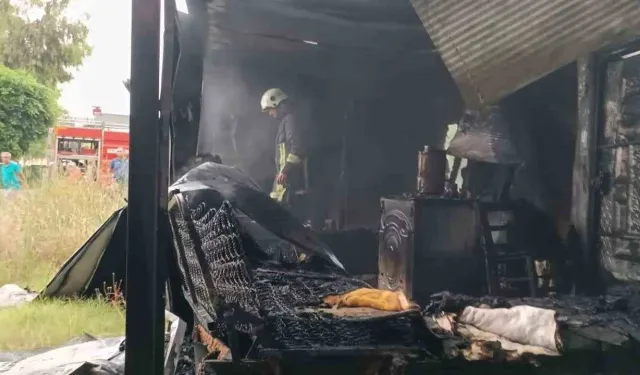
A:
290, 183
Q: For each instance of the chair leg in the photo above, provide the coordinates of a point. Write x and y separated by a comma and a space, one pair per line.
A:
532, 276
492, 287
489, 259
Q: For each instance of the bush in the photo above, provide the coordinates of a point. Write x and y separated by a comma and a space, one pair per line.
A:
27, 110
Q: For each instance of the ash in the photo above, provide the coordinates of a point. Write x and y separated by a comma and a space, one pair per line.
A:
186, 363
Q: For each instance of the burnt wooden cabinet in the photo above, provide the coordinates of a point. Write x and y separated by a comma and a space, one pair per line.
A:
618, 171
428, 245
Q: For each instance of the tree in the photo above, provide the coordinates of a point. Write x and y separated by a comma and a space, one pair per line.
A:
27, 110
37, 36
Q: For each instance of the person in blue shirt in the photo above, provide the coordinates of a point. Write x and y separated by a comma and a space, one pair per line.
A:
120, 167
12, 177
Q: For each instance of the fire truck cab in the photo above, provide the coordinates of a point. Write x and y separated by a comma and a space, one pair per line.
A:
88, 144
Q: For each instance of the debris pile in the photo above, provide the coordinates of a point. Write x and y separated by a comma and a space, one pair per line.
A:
285, 301
186, 362
536, 330
261, 285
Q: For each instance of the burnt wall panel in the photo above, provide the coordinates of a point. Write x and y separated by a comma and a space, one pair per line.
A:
582, 203
618, 171
542, 119
187, 85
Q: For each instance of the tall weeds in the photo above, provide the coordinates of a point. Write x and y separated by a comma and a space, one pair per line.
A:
44, 224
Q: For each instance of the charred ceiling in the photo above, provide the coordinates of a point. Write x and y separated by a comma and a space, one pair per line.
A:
352, 26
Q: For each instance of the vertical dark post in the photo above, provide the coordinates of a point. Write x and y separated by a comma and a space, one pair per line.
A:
583, 165
147, 207
166, 92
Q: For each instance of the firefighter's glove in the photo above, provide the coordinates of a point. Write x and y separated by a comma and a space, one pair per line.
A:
281, 178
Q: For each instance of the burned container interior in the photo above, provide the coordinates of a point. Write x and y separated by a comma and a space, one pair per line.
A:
374, 92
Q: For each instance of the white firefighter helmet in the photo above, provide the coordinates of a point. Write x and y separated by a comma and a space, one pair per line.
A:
272, 98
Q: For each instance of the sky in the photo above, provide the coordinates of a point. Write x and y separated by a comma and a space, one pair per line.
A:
98, 82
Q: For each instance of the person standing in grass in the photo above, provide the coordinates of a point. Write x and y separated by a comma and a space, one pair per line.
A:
120, 167
12, 177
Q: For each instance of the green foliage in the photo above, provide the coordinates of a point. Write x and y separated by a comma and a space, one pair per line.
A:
27, 110
37, 149
37, 36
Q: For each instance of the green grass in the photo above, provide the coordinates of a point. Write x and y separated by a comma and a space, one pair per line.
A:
44, 324
39, 230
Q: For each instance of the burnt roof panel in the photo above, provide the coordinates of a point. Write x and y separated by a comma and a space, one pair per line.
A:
493, 48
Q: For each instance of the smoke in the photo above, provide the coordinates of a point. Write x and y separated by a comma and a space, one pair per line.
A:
232, 125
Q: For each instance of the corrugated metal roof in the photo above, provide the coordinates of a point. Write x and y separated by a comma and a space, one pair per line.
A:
494, 47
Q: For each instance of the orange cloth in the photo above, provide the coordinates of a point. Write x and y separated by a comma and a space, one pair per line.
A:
212, 344
378, 299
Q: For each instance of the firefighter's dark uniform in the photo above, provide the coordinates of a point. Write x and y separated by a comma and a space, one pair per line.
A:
290, 159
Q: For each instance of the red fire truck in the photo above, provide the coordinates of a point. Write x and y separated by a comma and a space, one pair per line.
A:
87, 143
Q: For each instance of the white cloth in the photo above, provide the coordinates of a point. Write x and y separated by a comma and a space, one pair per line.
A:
526, 325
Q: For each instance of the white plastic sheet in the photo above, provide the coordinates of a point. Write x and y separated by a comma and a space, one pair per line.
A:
13, 295
100, 356
90, 356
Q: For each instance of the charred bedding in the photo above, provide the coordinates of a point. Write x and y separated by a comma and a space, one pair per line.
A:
232, 265
530, 329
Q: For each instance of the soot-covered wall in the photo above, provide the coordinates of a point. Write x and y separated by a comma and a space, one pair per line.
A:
543, 119
406, 110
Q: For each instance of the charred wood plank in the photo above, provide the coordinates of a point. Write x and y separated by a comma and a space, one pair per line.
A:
583, 175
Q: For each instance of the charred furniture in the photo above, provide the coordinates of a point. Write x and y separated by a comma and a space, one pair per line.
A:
484, 138
509, 263
429, 244
255, 279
